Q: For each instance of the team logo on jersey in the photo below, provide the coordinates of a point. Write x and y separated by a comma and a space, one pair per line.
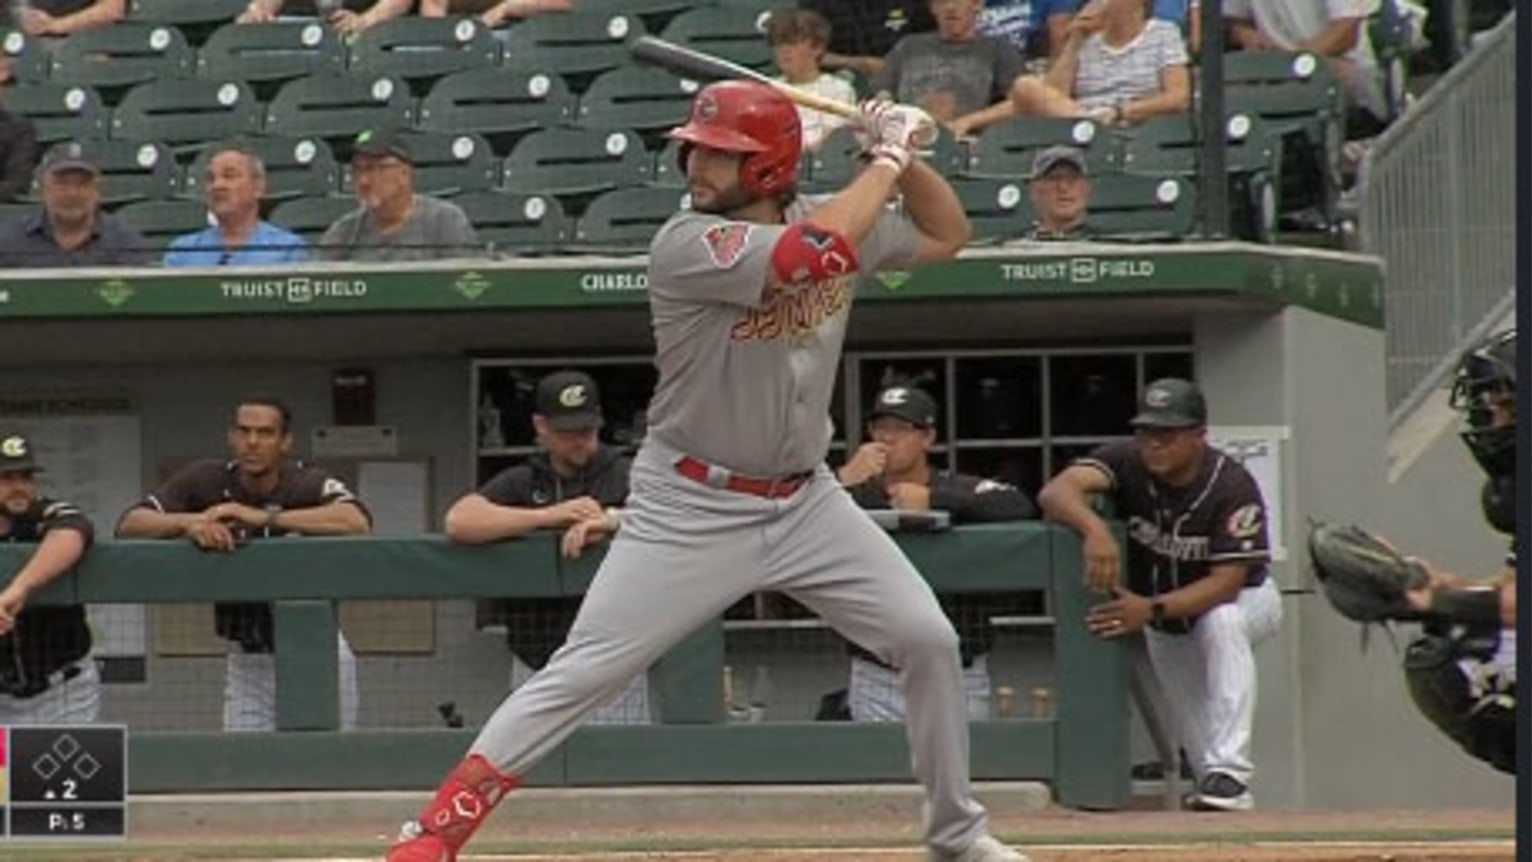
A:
334, 488
573, 395
1246, 521
726, 243
824, 244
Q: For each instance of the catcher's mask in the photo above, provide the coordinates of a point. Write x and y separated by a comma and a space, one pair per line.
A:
1486, 371
749, 118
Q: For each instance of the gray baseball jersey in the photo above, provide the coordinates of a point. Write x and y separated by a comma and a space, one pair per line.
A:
746, 369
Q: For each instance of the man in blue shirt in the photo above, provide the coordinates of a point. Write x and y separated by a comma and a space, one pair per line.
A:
235, 184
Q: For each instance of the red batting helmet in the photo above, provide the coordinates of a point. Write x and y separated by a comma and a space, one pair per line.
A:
746, 117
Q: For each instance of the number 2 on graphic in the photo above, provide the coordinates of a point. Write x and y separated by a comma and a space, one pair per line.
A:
71, 789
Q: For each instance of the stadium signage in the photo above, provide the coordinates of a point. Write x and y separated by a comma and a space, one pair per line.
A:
295, 290
1079, 270
609, 282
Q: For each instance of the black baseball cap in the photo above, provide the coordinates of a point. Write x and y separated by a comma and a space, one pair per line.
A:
16, 455
382, 142
909, 403
69, 156
569, 400
1171, 402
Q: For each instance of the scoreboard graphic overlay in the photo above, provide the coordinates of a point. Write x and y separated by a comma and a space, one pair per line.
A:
63, 782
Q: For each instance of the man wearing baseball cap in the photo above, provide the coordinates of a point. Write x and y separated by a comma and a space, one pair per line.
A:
893, 471
394, 223
1059, 186
47, 675
576, 485
1195, 584
70, 229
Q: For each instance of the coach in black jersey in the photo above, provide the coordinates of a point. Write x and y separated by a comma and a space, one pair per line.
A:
1197, 584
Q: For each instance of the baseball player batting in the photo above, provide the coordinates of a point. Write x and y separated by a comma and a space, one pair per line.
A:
750, 291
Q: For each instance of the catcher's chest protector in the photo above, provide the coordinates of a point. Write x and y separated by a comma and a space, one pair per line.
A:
1453, 681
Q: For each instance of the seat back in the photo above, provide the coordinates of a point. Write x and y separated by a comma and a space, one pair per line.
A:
187, 111
411, 48
575, 162
121, 55
516, 224
582, 42
1005, 150
1172, 145
272, 52
446, 164
625, 220
295, 167
310, 217
1280, 86
162, 221
30, 58
194, 18
60, 112
497, 101
338, 107
133, 170
998, 210
734, 34
1142, 207
636, 97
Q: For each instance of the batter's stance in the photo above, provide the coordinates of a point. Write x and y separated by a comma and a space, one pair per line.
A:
750, 292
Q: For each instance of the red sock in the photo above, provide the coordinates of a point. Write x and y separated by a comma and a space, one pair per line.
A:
466, 796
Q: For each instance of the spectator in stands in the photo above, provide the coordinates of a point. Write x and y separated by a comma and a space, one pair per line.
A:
47, 674
234, 185
1118, 67
958, 75
494, 13
18, 144
257, 494
394, 223
347, 16
66, 17
70, 229
1056, 15
575, 485
892, 470
799, 37
862, 34
1334, 29
1060, 191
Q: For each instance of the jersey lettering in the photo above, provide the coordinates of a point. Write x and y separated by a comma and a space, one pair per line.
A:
793, 311
1183, 548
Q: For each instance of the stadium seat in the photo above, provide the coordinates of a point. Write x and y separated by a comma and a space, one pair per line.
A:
1005, 150
837, 159
162, 221
339, 107
1142, 207
186, 111
667, 167
624, 221
413, 48
265, 54
734, 34
195, 18
1298, 100
575, 162
516, 224
654, 13
1252, 160
29, 57
310, 217
121, 55
646, 99
446, 163
59, 112
295, 167
998, 210
133, 170
579, 43
497, 102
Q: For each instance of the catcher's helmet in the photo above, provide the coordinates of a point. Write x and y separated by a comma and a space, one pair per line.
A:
1488, 370
746, 117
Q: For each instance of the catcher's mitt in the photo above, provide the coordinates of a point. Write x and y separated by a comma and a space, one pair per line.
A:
1364, 578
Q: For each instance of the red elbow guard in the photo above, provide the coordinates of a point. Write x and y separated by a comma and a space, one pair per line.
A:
806, 252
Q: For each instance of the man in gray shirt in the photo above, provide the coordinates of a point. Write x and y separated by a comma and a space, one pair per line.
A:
394, 223
961, 77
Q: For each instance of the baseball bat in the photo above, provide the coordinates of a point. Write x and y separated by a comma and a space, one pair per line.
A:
689, 63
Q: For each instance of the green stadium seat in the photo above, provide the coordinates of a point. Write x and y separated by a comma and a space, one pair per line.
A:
1298, 100
195, 18
310, 217
447, 163
579, 43
667, 167
161, 221
188, 111
133, 170
30, 58
838, 158
497, 102
576, 162
624, 221
295, 167
411, 48
265, 54
1252, 159
636, 97
516, 224
998, 210
60, 112
734, 34
121, 55
1142, 207
1005, 150
339, 107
